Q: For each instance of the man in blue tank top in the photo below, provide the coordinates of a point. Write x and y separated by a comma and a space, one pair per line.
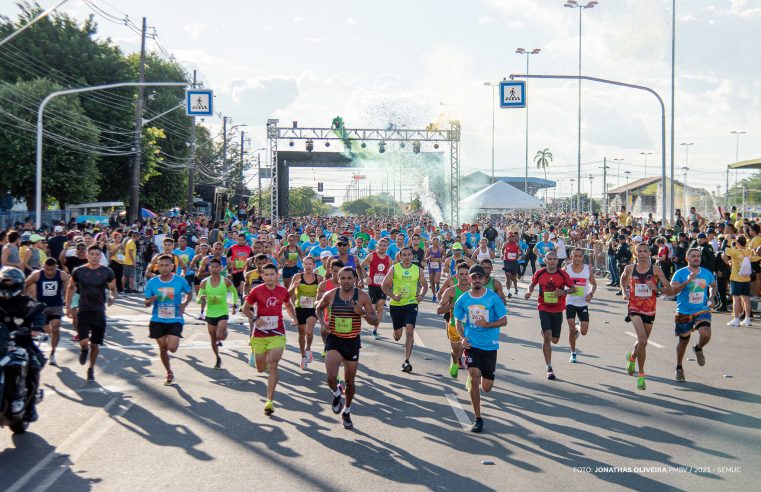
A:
46, 286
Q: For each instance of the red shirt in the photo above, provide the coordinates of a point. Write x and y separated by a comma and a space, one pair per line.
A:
511, 252
549, 301
269, 307
238, 256
378, 269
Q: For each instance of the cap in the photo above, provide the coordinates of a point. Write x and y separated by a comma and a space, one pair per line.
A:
36, 237
456, 246
638, 239
25, 236
477, 270
58, 229
702, 235
325, 254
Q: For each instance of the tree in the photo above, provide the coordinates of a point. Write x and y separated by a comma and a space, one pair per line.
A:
305, 201
543, 159
70, 173
382, 204
747, 191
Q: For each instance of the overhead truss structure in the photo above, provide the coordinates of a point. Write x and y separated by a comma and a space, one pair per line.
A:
349, 136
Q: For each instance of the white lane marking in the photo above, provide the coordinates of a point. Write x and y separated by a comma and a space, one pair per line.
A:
418, 340
459, 412
51, 391
73, 446
649, 341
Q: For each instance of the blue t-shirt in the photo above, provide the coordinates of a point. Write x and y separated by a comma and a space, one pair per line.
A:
360, 253
693, 298
488, 307
523, 246
392, 250
166, 309
307, 247
543, 249
472, 238
187, 256
317, 251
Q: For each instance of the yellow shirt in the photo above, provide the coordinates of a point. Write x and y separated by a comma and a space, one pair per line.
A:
130, 246
754, 243
622, 218
737, 256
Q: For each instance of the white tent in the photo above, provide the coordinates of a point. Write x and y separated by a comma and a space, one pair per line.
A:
501, 196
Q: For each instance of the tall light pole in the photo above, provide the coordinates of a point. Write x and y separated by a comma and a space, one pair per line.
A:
493, 86
737, 148
590, 192
673, 65
521, 51
684, 186
618, 170
686, 146
627, 173
573, 4
572, 180
646, 154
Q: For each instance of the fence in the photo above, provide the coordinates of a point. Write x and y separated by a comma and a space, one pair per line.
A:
9, 218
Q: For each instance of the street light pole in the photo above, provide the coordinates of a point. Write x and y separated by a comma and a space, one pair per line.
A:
684, 185
493, 86
590, 192
573, 4
646, 154
686, 146
618, 170
522, 51
737, 148
628, 207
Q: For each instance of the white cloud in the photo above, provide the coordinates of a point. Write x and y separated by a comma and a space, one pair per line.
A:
351, 21
485, 20
195, 30
298, 19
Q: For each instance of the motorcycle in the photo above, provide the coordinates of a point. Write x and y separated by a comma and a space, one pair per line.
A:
19, 357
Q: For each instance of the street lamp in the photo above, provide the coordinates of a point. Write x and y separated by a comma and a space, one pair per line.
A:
493, 87
590, 192
521, 51
618, 170
627, 173
573, 4
737, 148
646, 154
684, 186
686, 146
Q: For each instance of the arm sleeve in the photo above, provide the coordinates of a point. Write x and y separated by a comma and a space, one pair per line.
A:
232, 290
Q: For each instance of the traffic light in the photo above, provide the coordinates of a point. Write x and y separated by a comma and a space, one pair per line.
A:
319, 187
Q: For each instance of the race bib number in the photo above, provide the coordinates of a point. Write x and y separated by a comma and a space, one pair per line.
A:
642, 290
378, 278
550, 297
512, 256
215, 299
166, 312
306, 302
696, 297
343, 325
240, 264
270, 323
477, 312
434, 265
580, 287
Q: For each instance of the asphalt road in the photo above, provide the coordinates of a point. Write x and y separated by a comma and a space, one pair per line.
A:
591, 429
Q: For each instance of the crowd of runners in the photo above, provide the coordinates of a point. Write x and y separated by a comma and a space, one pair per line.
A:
336, 271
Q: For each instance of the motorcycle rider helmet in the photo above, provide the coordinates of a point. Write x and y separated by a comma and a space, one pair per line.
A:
11, 282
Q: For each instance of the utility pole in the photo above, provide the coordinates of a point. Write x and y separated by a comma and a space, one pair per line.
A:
192, 168
605, 184
259, 173
134, 198
242, 153
224, 151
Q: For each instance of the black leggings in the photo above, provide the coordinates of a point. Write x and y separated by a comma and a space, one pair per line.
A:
118, 269
530, 258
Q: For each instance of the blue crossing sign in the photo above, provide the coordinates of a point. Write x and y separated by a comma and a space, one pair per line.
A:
199, 102
512, 94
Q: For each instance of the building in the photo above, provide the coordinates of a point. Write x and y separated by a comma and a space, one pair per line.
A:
645, 196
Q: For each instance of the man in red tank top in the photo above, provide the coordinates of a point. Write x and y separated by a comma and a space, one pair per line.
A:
380, 264
639, 284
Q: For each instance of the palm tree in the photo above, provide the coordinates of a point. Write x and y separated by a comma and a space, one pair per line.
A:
543, 158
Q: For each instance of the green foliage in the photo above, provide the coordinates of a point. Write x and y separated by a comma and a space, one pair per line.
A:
569, 203
305, 201
382, 204
752, 189
69, 174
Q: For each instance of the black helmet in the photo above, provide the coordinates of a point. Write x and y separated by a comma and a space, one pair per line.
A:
11, 282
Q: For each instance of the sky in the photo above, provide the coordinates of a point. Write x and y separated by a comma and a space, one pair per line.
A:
417, 61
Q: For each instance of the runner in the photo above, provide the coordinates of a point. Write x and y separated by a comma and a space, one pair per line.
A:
695, 288
218, 252
639, 284
510, 255
164, 292
406, 288
446, 305
434, 257
46, 286
347, 306
480, 313
268, 337
329, 283
380, 264
450, 264
238, 255
491, 283
202, 251
483, 252
213, 299
153, 269
91, 281
187, 255
577, 304
553, 285
304, 291
290, 257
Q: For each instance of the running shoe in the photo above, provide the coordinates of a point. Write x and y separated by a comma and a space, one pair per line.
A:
337, 404
468, 383
433, 298
629, 364
734, 322
516, 292
324, 353
551, 375
509, 295
347, 421
52, 360
83, 353
407, 367
578, 331
304, 362
269, 408
219, 343
341, 385
310, 356
252, 360
453, 370
91, 375
461, 363
169, 378
698, 356
218, 364
375, 333
746, 322
641, 382
680, 374
478, 425
573, 358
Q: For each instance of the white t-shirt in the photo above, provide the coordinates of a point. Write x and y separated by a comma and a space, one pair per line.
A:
560, 248
581, 280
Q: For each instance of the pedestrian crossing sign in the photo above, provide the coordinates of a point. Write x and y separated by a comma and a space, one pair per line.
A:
199, 102
512, 94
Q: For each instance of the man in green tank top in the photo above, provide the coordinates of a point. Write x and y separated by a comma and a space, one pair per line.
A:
405, 286
446, 304
491, 283
213, 299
